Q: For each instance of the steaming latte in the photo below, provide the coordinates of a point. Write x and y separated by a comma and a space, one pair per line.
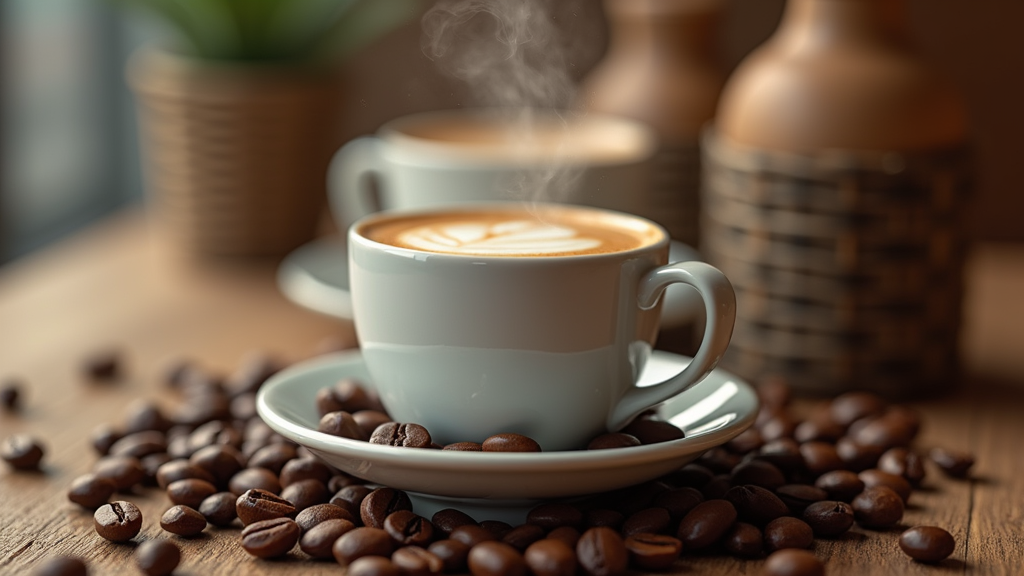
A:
515, 233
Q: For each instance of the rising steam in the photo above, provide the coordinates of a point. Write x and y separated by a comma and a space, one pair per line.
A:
514, 59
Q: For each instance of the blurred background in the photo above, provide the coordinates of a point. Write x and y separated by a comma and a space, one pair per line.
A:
69, 147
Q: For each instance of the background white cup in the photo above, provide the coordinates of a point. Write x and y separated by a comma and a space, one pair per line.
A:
475, 155
546, 346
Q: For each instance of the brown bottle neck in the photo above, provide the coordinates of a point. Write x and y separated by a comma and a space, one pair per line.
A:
809, 25
667, 28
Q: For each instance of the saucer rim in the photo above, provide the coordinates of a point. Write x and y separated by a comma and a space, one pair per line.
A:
455, 461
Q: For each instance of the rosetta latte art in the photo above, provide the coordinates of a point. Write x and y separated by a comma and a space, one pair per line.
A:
515, 237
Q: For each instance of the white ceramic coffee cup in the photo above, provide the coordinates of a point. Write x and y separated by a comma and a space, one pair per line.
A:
475, 155
546, 346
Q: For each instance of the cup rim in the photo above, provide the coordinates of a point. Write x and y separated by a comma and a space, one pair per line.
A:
355, 237
413, 149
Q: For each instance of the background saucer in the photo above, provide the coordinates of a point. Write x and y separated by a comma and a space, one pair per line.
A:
315, 276
711, 413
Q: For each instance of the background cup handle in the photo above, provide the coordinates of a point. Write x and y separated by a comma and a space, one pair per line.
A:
720, 304
350, 195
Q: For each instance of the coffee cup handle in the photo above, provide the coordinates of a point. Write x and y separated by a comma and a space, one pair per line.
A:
349, 194
720, 305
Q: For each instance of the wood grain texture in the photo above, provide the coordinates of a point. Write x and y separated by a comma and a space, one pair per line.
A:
115, 287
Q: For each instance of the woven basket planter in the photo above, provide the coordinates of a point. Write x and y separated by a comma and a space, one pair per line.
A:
847, 266
235, 155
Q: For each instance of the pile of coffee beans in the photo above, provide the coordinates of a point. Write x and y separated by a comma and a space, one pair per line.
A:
769, 493
351, 410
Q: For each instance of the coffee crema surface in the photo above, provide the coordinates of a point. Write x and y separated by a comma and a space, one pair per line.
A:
515, 233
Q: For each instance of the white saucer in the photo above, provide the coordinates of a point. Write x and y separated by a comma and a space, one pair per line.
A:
315, 276
504, 485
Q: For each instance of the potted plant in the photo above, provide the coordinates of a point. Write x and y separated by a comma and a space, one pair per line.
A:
238, 113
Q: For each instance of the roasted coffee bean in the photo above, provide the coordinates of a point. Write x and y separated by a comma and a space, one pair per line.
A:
351, 497
952, 463
180, 469
757, 473
380, 504
318, 540
856, 456
270, 538
613, 440
551, 515
522, 536
495, 559
603, 517
927, 543
744, 541
91, 491
305, 468
10, 395
717, 487
142, 415
787, 532
779, 425
820, 431
550, 557
449, 519
472, 534
875, 477
318, 513
797, 497
183, 521
566, 534
22, 452
190, 492
842, 485
124, 471
463, 447
634, 498
691, 475
273, 457
652, 551
417, 561
452, 553
706, 524
369, 420
748, 441
509, 442
653, 431
409, 529
103, 437
396, 434
496, 527
828, 518
157, 557
877, 507
249, 478
601, 552
755, 504
648, 521
340, 480
62, 566
887, 431
219, 509
784, 453
851, 406
360, 542
220, 460
102, 366
793, 562
679, 501
348, 395
118, 521
257, 505
820, 457
343, 425
719, 460
306, 493
903, 462
150, 465
252, 372
372, 566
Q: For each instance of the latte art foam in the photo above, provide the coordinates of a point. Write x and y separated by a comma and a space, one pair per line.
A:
547, 230
510, 238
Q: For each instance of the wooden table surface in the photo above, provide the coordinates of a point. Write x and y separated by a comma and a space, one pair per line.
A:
116, 287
